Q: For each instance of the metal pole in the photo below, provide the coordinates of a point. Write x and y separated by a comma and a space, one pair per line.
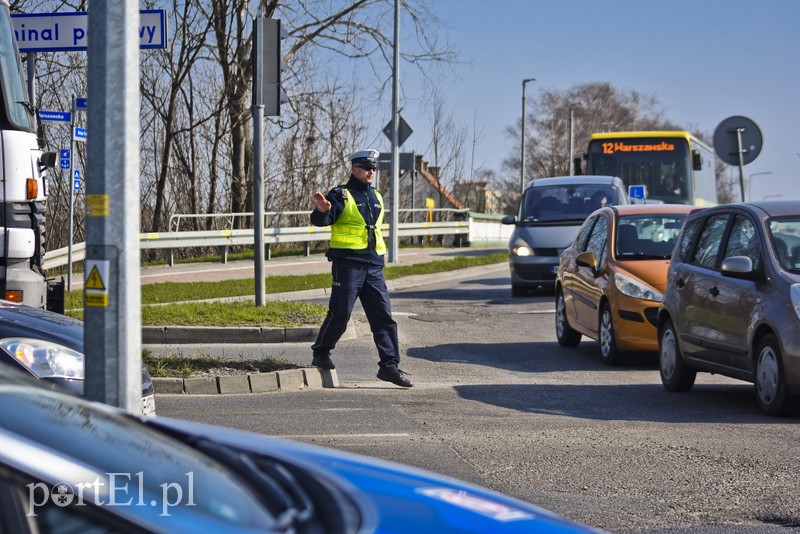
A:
112, 301
522, 142
395, 178
258, 160
569, 166
71, 185
741, 159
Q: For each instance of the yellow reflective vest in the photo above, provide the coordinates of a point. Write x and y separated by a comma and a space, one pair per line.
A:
351, 231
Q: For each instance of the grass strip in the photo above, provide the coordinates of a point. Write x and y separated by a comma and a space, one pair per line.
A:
245, 313
179, 366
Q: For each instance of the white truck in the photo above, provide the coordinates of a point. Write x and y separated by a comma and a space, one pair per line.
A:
23, 185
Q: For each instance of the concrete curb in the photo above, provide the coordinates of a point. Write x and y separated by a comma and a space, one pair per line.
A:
287, 380
180, 335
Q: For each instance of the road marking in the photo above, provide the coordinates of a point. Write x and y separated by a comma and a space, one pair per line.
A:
537, 311
343, 436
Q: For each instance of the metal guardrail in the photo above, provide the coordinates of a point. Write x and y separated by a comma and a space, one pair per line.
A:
227, 237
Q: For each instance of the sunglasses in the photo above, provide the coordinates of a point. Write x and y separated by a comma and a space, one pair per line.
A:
366, 166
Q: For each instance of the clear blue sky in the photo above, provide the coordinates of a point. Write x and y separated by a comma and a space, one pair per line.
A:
704, 60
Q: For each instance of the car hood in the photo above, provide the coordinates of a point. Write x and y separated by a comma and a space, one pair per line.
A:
26, 321
558, 236
394, 497
651, 272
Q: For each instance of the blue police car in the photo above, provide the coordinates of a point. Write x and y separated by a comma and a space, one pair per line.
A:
70, 465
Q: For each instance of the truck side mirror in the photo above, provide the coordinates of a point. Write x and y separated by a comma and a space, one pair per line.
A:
48, 160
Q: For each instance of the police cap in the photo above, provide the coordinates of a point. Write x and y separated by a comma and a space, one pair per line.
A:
365, 158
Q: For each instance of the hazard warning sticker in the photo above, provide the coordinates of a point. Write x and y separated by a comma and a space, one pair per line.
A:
95, 287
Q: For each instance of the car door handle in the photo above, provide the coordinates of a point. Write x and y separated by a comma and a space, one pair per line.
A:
714, 291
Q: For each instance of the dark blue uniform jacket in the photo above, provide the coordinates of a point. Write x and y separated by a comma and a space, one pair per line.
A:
368, 206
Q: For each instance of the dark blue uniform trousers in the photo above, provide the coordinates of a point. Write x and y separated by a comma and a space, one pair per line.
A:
353, 279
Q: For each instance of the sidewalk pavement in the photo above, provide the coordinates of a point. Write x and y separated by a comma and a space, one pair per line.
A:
289, 380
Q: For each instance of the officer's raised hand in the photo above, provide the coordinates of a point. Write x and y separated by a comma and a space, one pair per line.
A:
321, 203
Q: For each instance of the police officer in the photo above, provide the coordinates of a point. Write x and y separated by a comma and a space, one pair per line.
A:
354, 211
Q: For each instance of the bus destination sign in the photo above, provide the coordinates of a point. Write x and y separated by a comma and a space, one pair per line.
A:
622, 146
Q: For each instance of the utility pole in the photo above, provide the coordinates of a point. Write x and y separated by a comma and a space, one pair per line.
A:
112, 303
522, 143
395, 207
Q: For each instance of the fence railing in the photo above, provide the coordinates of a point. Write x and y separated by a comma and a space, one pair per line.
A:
460, 223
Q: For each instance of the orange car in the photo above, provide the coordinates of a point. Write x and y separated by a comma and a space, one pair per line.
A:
610, 281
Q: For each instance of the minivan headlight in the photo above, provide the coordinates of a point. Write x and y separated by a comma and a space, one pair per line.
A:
794, 292
635, 289
522, 251
45, 359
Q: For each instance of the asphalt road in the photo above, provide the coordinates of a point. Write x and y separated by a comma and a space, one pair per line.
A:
497, 402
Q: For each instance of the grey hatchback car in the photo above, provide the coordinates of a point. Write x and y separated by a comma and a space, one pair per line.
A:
732, 304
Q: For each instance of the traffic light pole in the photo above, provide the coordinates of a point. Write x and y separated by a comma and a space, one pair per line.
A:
258, 158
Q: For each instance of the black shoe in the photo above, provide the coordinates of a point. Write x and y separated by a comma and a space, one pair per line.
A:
323, 362
396, 377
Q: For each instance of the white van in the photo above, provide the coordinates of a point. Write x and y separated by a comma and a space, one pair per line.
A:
548, 217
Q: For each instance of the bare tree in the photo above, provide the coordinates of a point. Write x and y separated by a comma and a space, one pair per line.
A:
597, 106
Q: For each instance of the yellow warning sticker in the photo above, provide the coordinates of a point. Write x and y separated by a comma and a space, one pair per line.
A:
97, 205
94, 280
96, 299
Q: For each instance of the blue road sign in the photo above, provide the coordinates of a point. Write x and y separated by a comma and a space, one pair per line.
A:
79, 134
80, 103
76, 174
49, 32
55, 116
64, 157
76, 184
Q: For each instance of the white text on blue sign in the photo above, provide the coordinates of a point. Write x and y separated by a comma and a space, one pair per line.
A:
69, 31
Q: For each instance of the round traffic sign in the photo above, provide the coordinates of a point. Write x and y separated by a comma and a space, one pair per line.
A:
726, 140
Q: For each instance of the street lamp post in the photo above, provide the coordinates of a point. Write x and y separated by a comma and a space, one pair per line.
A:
750, 183
572, 106
522, 143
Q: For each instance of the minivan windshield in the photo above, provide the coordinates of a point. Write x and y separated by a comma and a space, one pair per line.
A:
566, 202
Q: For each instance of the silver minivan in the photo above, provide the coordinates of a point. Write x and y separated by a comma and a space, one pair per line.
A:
549, 215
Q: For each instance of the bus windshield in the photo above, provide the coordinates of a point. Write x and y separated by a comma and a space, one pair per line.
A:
16, 112
661, 164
